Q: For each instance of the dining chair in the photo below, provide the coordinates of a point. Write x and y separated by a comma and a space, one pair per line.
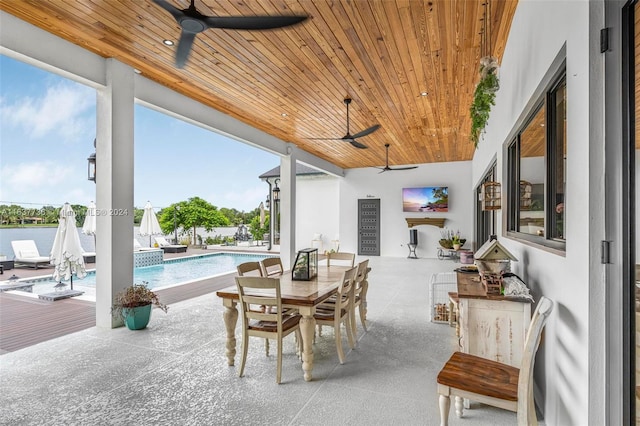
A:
254, 269
344, 258
494, 383
338, 313
360, 295
271, 324
271, 266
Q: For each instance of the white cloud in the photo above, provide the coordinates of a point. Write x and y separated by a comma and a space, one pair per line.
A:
28, 176
60, 111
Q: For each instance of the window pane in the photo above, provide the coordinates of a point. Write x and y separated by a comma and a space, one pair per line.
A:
532, 174
559, 159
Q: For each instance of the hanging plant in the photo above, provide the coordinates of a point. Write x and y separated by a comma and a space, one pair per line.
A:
484, 97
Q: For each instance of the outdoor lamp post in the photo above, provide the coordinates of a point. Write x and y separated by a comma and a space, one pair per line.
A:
91, 165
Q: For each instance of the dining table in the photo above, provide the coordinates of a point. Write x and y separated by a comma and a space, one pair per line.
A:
304, 296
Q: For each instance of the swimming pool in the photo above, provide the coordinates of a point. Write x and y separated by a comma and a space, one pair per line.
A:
170, 272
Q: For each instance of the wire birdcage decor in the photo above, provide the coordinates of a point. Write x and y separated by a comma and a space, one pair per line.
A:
491, 196
525, 195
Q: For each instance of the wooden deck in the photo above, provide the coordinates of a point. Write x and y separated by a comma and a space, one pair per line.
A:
25, 321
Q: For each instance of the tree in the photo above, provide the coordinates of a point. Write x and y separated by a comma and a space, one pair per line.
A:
191, 214
137, 215
81, 213
255, 229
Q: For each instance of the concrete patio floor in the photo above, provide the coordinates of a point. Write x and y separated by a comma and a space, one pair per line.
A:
175, 371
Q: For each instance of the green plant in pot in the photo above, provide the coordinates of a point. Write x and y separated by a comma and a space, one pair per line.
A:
451, 240
484, 97
134, 305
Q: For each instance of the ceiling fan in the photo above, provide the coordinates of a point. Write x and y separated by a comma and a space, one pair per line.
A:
349, 137
386, 168
193, 22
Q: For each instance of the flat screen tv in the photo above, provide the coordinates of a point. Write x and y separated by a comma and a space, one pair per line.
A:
425, 199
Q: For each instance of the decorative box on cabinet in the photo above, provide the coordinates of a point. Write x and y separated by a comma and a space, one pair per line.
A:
494, 327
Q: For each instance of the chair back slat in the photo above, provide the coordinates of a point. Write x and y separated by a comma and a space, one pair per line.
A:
252, 291
526, 408
271, 266
349, 258
249, 269
344, 297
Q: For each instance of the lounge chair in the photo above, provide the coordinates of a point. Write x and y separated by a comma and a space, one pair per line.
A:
170, 248
139, 247
26, 253
89, 256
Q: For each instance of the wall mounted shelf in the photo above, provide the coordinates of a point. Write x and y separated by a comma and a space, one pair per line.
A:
435, 221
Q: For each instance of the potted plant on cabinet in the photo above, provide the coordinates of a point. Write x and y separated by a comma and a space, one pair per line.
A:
449, 238
456, 241
134, 304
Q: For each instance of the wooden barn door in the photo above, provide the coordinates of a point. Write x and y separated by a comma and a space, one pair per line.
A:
369, 227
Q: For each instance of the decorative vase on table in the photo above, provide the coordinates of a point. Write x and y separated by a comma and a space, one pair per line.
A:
137, 318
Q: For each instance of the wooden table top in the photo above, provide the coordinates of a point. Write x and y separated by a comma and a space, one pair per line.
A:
301, 293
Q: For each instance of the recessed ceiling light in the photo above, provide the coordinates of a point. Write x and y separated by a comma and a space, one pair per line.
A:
424, 94
284, 114
137, 71
168, 42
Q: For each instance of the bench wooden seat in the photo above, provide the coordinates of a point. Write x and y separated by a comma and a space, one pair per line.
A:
480, 375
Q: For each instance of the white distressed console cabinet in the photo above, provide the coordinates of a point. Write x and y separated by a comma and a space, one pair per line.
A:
494, 327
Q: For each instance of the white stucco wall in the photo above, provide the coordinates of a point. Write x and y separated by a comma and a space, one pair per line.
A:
394, 232
539, 33
317, 206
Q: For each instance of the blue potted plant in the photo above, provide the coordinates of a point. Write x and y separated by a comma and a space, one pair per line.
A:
134, 305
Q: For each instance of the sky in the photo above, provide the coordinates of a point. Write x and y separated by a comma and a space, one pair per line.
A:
47, 129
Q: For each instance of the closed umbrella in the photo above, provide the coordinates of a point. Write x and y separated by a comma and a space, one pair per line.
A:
66, 254
262, 215
89, 225
149, 224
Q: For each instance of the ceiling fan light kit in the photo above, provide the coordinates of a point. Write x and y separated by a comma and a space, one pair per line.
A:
193, 22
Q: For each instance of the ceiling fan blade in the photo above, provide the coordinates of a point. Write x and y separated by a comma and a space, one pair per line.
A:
174, 11
403, 168
357, 144
367, 131
252, 22
184, 48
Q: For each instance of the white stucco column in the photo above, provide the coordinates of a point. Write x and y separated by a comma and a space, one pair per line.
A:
114, 189
287, 208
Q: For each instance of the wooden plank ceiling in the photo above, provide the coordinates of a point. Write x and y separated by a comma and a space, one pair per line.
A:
291, 82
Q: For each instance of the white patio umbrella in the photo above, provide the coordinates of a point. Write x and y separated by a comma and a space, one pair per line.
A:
149, 224
262, 217
66, 254
89, 225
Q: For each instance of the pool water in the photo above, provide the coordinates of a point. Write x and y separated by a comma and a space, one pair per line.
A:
171, 272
